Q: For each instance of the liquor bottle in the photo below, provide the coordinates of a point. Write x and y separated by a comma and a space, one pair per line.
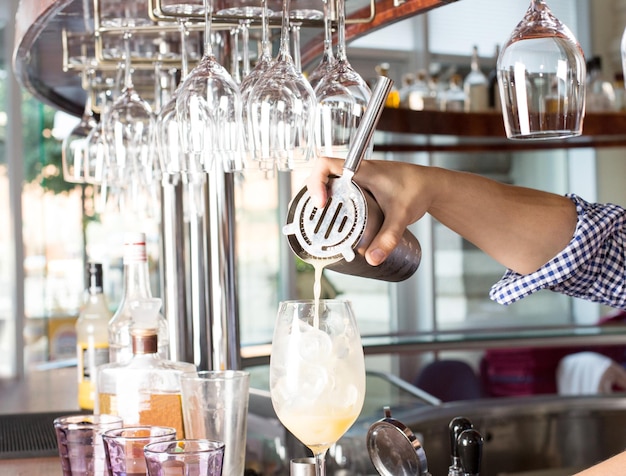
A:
418, 95
92, 344
495, 104
146, 389
476, 87
393, 98
600, 95
453, 98
136, 287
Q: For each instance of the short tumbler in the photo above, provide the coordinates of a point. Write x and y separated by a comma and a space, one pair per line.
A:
79, 438
124, 447
185, 458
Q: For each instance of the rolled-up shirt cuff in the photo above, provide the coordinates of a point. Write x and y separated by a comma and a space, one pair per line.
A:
591, 266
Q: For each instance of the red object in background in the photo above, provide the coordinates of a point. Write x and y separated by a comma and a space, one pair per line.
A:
531, 371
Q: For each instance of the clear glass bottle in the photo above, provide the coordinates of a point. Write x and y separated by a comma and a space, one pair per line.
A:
92, 343
476, 87
600, 92
453, 98
146, 389
420, 97
136, 287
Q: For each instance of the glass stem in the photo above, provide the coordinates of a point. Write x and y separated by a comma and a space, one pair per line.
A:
234, 54
341, 27
284, 32
265, 43
328, 35
295, 40
208, 19
184, 61
128, 77
245, 48
320, 464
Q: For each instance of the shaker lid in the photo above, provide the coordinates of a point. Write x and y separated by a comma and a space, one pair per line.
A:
394, 449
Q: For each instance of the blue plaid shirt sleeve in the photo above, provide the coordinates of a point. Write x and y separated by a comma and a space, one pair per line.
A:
592, 266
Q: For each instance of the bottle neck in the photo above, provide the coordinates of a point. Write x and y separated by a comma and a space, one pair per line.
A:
145, 343
474, 65
95, 290
136, 271
136, 279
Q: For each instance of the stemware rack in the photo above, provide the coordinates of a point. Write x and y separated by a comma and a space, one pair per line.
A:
57, 39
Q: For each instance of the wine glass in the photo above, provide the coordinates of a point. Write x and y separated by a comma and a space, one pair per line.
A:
342, 96
75, 147
541, 75
317, 372
96, 140
281, 110
128, 129
264, 61
328, 58
209, 110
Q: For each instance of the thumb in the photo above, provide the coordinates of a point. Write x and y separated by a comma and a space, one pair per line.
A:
383, 244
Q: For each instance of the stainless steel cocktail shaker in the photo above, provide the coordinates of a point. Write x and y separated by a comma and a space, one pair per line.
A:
341, 231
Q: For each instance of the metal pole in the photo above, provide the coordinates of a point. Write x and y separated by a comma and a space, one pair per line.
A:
224, 331
174, 277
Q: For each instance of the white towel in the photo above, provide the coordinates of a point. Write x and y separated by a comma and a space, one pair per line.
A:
581, 373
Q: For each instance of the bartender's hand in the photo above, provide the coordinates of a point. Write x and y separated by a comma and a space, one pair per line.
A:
399, 188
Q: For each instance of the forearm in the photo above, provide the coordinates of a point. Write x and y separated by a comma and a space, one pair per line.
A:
519, 227
615, 466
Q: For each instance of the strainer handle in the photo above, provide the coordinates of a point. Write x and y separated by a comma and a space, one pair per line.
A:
365, 131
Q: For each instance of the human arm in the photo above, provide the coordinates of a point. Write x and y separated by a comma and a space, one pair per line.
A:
520, 227
614, 466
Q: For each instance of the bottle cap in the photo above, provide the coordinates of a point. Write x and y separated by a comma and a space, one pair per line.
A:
94, 271
135, 248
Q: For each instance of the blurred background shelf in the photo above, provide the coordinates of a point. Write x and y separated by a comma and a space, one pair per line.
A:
405, 130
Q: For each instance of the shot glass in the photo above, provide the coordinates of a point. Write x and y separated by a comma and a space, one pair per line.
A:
185, 458
79, 438
124, 447
215, 407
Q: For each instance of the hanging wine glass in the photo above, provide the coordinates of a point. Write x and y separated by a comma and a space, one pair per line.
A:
264, 62
75, 145
541, 76
173, 162
96, 140
208, 109
328, 58
342, 96
128, 130
281, 110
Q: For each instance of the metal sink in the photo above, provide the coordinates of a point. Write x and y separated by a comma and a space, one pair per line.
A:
543, 435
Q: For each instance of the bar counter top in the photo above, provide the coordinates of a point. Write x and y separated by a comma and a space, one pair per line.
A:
31, 467
40, 391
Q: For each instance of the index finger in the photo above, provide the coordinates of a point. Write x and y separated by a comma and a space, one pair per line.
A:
316, 182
